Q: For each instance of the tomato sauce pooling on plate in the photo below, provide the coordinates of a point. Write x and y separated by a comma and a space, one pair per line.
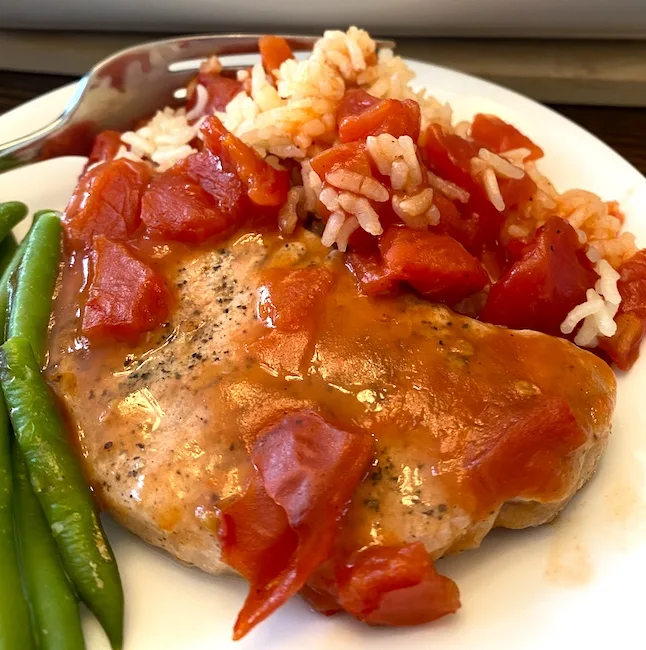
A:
346, 402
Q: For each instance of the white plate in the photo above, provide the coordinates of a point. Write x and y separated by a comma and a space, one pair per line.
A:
576, 583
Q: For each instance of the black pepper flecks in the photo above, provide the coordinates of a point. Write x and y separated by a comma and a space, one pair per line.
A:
372, 504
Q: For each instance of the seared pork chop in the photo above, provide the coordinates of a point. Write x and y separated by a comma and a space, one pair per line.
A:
164, 428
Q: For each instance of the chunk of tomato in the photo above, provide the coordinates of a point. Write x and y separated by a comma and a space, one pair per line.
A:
549, 279
623, 347
632, 284
437, 266
352, 156
372, 277
284, 526
274, 51
220, 91
360, 115
523, 453
516, 191
106, 146
265, 185
449, 156
107, 201
465, 228
395, 585
498, 136
193, 200
126, 296
290, 297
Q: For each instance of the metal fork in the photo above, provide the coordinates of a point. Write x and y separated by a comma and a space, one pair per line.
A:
129, 86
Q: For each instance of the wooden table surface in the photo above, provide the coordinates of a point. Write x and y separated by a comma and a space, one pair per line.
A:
624, 129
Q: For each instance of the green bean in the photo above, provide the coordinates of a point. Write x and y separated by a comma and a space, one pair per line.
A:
15, 623
54, 607
6, 278
11, 214
53, 603
39, 213
60, 487
32, 301
11, 162
8, 248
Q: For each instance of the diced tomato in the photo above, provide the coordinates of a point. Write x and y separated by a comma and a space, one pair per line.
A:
352, 156
274, 50
372, 276
193, 200
363, 242
623, 347
632, 284
307, 470
463, 228
550, 278
437, 266
284, 353
449, 156
497, 136
523, 453
106, 145
494, 261
220, 90
265, 185
106, 201
515, 248
321, 592
289, 296
448, 209
126, 297
360, 115
256, 535
516, 191
396, 585
356, 101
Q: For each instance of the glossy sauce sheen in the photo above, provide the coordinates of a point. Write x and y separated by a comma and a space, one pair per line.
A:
165, 427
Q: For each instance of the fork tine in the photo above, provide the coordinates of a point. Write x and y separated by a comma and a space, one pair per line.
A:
194, 47
175, 50
136, 82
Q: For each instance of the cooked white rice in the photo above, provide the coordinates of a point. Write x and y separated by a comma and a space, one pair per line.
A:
164, 140
598, 311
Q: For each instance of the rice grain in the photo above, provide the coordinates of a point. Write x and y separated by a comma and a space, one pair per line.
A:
450, 190
490, 183
332, 228
360, 207
357, 183
500, 166
349, 226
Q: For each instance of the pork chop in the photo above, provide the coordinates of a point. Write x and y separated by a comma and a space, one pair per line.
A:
163, 428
